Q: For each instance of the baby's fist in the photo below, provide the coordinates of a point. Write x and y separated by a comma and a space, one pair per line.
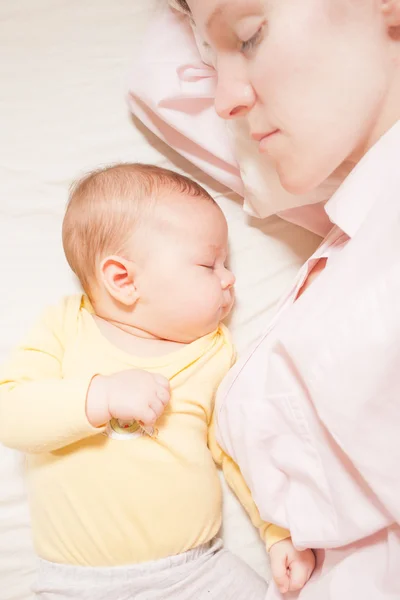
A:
131, 395
291, 568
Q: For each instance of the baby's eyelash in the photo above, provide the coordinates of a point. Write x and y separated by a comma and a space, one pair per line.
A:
251, 43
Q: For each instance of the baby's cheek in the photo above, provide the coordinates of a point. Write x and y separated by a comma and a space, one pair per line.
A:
207, 299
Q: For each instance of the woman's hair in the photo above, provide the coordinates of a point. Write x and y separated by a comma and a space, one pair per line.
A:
183, 5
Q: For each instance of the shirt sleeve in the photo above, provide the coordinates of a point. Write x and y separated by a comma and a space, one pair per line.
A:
270, 533
40, 411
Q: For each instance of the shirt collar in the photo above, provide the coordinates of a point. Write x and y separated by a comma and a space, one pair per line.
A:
375, 177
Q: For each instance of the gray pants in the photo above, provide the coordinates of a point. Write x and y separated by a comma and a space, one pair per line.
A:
205, 573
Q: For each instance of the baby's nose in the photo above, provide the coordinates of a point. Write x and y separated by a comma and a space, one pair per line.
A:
228, 280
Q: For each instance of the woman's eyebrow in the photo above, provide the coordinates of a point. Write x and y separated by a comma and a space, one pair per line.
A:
238, 11
217, 12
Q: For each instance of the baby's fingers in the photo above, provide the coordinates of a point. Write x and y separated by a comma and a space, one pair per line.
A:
163, 392
162, 381
163, 395
158, 407
299, 574
280, 573
148, 417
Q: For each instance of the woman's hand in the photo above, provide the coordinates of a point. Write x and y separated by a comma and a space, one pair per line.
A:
291, 568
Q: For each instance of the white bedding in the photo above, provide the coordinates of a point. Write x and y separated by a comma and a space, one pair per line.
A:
63, 70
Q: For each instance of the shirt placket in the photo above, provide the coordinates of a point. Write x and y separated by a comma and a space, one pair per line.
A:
323, 251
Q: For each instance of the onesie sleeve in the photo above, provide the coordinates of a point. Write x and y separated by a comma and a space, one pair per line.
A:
40, 410
270, 533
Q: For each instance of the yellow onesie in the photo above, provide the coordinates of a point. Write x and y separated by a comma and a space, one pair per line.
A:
107, 497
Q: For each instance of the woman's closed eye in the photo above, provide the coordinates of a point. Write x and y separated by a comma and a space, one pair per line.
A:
250, 44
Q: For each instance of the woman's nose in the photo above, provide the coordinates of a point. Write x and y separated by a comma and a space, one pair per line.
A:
234, 96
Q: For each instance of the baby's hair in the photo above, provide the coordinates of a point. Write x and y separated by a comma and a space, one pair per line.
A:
106, 207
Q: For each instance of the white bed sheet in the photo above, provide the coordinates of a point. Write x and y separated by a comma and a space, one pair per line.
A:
63, 71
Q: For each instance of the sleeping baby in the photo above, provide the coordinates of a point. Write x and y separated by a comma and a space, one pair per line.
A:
111, 398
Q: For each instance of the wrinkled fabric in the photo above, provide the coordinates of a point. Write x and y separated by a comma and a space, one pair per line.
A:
172, 91
208, 572
311, 413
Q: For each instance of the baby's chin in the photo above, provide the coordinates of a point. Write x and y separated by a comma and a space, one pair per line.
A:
226, 310
205, 330
190, 331
197, 332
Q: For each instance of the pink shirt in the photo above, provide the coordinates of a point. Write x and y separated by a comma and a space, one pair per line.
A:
312, 413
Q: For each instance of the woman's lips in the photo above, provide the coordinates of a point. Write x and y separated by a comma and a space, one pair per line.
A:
263, 139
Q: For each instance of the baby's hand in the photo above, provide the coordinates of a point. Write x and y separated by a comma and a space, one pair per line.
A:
291, 568
131, 395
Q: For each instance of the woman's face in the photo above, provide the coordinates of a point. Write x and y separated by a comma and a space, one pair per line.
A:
312, 77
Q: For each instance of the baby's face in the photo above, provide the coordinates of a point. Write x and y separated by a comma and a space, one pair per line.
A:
184, 285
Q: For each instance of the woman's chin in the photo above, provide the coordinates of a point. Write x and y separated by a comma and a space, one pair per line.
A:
299, 182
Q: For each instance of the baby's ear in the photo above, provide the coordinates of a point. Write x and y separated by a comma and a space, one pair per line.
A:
118, 276
391, 10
